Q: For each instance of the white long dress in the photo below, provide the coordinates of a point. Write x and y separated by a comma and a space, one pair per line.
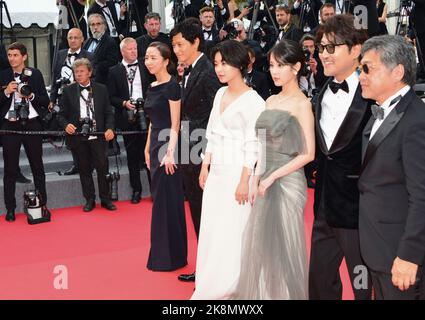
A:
233, 144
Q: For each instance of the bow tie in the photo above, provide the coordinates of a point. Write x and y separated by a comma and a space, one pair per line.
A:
378, 111
335, 86
72, 54
88, 88
187, 71
16, 75
95, 40
207, 31
133, 65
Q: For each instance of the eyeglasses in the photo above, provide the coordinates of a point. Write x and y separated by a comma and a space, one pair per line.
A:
330, 48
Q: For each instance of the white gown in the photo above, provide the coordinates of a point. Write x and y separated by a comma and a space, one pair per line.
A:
233, 144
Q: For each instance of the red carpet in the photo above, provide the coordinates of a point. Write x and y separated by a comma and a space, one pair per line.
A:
105, 255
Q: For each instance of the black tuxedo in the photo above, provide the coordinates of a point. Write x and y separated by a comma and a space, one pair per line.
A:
105, 56
90, 153
192, 10
336, 198
135, 144
32, 144
293, 33
197, 101
209, 44
59, 63
258, 81
120, 25
392, 191
311, 17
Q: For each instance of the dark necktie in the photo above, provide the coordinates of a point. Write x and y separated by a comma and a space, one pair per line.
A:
335, 86
378, 111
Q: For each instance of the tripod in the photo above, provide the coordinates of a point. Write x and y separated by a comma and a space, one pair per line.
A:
305, 8
3, 4
134, 17
404, 12
179, 13
255, 15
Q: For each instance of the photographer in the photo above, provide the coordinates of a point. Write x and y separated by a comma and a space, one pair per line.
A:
23, 101
315, 78
128, 82
63, 76
308, 11
221, 10
85, 108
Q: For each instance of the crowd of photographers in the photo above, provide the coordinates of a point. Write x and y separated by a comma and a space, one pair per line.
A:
100, 81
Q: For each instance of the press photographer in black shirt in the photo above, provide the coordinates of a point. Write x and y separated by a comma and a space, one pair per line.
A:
23, 101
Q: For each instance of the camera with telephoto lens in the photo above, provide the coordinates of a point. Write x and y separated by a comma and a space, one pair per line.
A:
138, 114
23, 87
232, 31
307, 55
49, 115
113, 178
87, 126
62, 83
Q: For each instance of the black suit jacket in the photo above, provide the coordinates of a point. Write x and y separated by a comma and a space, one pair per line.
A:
119, 91
338, 168
392, 187
105, 56
198, 95
144, 41
192, 10
60, 61
36, 82
293, 33
70, 109
120, 25
209, 44
258, 81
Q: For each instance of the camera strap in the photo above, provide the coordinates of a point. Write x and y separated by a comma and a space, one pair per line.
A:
131, 75
89, 104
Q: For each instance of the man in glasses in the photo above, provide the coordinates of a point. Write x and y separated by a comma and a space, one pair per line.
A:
392, 181
341, 114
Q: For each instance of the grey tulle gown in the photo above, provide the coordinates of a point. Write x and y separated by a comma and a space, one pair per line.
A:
274, 256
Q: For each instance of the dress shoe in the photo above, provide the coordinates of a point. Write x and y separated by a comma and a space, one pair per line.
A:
108, 205
22, 179
135, 198
10, 215
90, 205
187, 277
71, 171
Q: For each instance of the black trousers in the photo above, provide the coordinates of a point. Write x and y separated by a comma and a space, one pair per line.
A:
328, 247
92, 154
385, 290
193, 193
34, 151
135, 148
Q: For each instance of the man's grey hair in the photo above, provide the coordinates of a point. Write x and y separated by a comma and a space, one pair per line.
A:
96, 15
394, 50
82, 62
127, 41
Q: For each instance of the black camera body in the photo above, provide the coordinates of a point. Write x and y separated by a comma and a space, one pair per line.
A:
20, 111
232, 31
23, 87
307, 55
62, 83
113, 178
87, 126
138, 114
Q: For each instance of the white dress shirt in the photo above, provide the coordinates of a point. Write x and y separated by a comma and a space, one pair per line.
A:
137, 82
387, 109
83, 107
66, 71
18, 99
193, 66
335, 107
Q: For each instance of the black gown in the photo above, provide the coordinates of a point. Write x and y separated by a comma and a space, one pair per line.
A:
168, 227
